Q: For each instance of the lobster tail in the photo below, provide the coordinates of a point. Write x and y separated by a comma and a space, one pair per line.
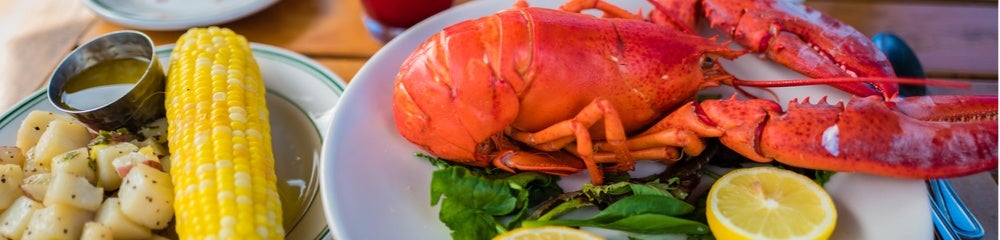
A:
447, 98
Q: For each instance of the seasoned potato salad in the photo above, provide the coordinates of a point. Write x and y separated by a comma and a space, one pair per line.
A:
63, 180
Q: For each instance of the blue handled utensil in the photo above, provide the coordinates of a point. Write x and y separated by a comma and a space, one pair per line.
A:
963, 223
941, 222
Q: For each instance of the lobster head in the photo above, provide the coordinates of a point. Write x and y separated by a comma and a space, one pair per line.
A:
447, 99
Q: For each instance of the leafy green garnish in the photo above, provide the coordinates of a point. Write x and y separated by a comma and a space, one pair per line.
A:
637, 208
480, 203
473, 200
70, 155
645, 214
652, 188
821, 177
107, 137
92, 164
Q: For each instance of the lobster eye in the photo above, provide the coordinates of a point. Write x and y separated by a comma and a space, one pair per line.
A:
707, 62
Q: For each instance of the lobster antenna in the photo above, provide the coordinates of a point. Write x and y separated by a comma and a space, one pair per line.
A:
736, 85
817, 81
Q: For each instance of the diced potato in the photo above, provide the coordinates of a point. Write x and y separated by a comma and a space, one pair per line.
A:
106, 171
149, 152
11, 155
74, 191
76, 162
60, 137
35, 186
95, 231
57, 221
146, 196
11, 178
33, 166
124, 163
154, 159
121, 226
33, 126
16, 218
159, 149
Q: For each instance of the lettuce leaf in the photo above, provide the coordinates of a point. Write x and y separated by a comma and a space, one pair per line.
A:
478, 203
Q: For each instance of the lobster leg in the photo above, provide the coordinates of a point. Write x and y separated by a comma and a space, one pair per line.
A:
555, 163
610, 11
677, 14
673, 14
685, 127
660, 146
682, 129
577, 130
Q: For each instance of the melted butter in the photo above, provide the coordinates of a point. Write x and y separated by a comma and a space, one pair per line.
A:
102, 83
296, 144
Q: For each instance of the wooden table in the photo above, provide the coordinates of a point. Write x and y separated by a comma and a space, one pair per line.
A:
952, 39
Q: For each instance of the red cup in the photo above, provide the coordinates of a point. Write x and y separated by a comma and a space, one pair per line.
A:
385, 19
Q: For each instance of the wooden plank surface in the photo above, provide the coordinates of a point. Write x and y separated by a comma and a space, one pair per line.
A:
952, 40
319, 28
345, 68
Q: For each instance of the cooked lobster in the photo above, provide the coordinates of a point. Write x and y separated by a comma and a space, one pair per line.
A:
536, 89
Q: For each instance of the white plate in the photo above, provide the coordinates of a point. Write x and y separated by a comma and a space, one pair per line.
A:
175, 14
301, 95
374, 188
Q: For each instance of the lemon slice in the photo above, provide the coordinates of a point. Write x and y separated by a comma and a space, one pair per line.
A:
769, 203
547, 232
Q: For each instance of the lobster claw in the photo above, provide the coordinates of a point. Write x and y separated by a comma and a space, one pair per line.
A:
917, 137
794, 35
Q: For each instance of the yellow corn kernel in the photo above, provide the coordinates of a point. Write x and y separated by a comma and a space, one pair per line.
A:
222, 166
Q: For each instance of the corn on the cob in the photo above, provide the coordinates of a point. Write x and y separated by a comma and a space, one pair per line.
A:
222, 166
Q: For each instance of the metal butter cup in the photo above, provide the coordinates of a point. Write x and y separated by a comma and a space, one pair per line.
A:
141, 104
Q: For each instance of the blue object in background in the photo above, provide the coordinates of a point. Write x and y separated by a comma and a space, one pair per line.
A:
904, 61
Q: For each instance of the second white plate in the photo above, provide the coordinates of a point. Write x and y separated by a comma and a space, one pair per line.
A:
174, 14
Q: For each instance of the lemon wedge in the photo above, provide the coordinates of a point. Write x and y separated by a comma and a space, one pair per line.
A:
769, 203
547, 232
